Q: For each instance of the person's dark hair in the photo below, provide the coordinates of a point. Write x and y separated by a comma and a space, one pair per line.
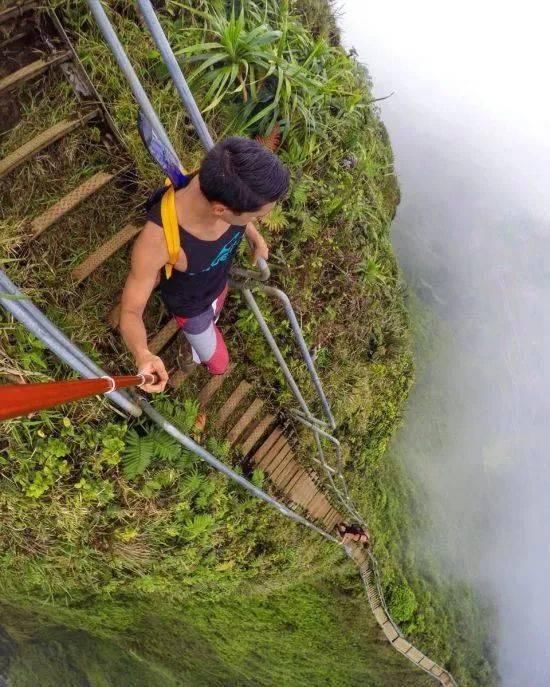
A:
242, 174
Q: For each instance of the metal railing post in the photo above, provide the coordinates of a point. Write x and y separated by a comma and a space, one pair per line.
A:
123, 62
285, 300
159, 37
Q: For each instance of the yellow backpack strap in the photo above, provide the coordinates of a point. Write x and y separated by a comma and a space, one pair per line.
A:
170, 226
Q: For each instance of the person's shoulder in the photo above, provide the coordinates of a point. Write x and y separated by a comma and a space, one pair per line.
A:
152, 206
149, 249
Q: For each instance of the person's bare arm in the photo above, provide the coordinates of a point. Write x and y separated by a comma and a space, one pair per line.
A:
257, 243
149, 255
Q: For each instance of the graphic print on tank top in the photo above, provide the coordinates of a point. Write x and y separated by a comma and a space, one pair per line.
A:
226, 252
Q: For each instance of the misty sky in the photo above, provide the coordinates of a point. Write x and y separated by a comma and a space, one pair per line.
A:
470, 128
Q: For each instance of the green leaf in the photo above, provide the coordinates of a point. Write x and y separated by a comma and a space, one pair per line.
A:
193, 48
218, 57
164, 445
138, 454
192, 484
198, 526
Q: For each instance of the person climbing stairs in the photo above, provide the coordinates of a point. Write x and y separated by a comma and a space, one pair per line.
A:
188, 244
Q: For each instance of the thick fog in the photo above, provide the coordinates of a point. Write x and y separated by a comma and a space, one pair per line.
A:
470, 128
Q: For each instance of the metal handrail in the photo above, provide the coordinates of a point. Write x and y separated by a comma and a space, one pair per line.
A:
306, 355
252, 279
263, 273
159, 37
23, 310
125, 65
317, 432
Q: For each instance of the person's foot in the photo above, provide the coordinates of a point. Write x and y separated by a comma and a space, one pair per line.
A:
184, 357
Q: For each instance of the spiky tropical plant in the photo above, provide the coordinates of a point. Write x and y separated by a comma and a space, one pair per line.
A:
268, 68
235, 60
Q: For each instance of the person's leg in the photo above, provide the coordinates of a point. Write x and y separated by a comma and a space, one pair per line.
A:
205, 337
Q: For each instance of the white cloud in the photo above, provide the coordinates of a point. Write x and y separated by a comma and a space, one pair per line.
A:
470, 127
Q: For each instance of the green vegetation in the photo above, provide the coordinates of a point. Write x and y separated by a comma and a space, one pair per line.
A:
109, 526
304, 634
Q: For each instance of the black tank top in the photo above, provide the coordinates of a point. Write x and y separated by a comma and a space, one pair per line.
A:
208, 262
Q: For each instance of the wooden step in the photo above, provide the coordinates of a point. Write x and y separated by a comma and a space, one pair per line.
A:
297, 475
284, 460
31, 70
306, 493
328, 517
299, 492
309, 495
323, 510
290, 492
315, 490
288, 475
214, 384
286, 472
243, 422
104, 252
268, 443
273, 452
257, 433
332, 518
159, 341
232, 402
41, 141
321, 506
69, 202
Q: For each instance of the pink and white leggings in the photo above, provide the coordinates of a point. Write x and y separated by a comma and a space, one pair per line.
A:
205, 338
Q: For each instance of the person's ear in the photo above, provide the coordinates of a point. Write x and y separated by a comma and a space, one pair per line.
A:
218, 209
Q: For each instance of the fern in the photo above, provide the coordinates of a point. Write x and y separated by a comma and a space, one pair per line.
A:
301, 192
188, 414
275, 221
257, 478
205, 494
186, 460
192, 484
198, 526
218, 448
164, 445
138, 453
181, 414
